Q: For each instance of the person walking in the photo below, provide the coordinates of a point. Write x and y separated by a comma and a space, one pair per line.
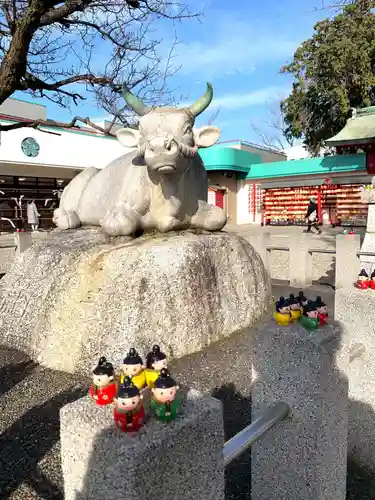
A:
312, 216
33, 215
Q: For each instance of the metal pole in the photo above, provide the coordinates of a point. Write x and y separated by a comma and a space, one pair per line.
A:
242, 441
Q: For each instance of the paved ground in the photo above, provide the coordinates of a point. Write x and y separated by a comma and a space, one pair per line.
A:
30, 398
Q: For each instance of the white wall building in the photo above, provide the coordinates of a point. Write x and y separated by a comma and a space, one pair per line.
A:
37, 163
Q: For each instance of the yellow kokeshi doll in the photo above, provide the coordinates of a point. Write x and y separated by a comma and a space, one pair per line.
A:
295, 308
133, 367
155, 362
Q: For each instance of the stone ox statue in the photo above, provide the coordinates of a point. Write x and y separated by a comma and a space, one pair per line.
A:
161, 185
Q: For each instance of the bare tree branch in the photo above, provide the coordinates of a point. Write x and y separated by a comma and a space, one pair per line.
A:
214, 116
272, 132
49, 47
56, 124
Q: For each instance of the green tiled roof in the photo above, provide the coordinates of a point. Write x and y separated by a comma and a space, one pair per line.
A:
359, 129
323, 165
229, 159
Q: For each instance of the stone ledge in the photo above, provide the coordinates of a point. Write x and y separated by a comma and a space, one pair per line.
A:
100, 296
178, 459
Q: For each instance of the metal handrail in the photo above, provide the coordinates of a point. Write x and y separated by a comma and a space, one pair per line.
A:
322, 250
284, 249
242, 441
366, 254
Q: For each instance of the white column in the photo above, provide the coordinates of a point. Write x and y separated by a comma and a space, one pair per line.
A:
243, 214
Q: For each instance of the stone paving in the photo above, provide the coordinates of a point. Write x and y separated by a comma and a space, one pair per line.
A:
30, 398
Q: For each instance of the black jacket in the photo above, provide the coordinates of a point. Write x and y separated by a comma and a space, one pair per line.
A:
313, 207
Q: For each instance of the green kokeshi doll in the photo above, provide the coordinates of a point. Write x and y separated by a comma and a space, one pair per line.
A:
309, 319
164, 403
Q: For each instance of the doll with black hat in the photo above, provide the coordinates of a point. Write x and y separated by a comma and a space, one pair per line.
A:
362, 280
371, 283
309, 318
302, 299
164, 402
156, 360
322, 311
132, 366
282, 315
103, 389
129, 412
295, 307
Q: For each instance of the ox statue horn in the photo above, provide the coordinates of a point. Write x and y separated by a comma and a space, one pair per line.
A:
141, 109
203, 102
134, 103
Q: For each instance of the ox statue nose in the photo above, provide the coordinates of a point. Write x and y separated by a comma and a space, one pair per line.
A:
162, 145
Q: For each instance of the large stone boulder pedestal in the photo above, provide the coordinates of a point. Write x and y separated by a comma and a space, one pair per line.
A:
80, 294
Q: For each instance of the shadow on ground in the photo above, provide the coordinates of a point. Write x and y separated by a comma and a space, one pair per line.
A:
27, 441
237, 415
361, 478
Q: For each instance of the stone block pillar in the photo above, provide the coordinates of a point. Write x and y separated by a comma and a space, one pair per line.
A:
347, 262
175, 460
303, 457
368, 262
300, 261
23, 241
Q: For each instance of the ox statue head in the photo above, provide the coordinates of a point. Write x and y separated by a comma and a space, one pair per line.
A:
165, 136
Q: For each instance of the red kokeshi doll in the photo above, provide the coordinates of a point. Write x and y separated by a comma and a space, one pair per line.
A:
322, 310
103, 389
129, 413
371, 283
363, 280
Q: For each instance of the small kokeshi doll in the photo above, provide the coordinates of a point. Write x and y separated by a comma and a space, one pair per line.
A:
363, 280
295, 308
322, 311
282, 315
302, 299
129, 412
309, 318
155, 361
103, 389
371, 283
133, 367
164, 402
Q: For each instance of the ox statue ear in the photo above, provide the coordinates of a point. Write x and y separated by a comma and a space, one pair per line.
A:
206, 136
129, 137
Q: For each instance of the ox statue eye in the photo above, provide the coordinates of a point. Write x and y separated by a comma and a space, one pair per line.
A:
188, 130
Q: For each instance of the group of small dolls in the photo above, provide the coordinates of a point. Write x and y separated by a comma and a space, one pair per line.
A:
126, 393
364, 281
310, 313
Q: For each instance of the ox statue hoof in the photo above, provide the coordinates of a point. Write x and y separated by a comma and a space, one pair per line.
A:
66, 219
167, 223
215, 219
120, 222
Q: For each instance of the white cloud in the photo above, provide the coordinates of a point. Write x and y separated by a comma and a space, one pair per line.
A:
258, 97
228, 46
254, 98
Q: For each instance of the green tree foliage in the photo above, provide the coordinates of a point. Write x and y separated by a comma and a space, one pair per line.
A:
333, 72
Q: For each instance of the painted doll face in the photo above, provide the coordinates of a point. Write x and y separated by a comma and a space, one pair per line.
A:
284, 310
128, 404
312, 314
294, 307
132, 370
165, 395
362, 278
322, 310
101, 380
158, 365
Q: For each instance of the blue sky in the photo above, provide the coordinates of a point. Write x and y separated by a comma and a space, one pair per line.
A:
239, 46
